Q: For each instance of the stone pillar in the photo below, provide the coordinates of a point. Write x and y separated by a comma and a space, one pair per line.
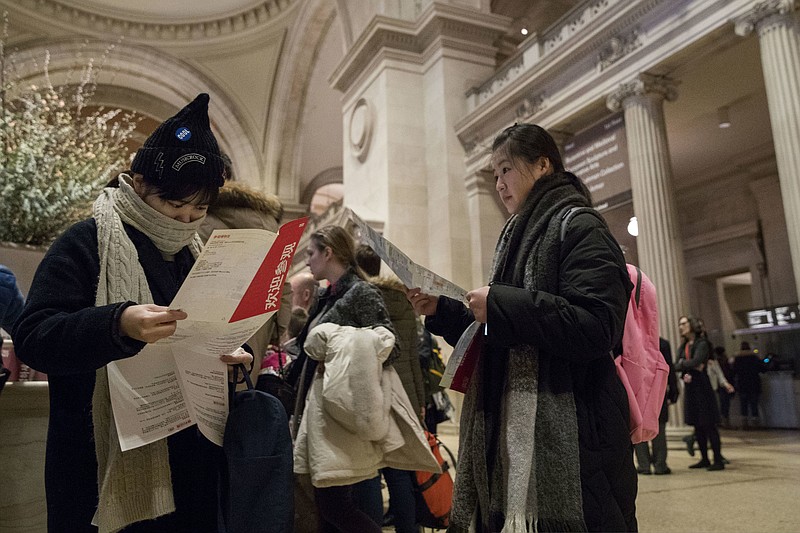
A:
659, 243
485, 219
778, 30
403, 85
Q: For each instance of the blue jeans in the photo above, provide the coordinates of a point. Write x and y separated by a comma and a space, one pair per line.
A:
369, 498
402, 502
340, 509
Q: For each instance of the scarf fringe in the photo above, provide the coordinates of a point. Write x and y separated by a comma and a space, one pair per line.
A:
519, 523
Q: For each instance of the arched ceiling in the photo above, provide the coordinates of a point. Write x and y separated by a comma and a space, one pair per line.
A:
158, 11
262, 57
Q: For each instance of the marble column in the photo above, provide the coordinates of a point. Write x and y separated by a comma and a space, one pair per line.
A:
485, 219
778, 29
403, 86
659, 242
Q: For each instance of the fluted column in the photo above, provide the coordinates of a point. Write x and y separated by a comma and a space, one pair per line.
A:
778, 30
485, 219
659, 242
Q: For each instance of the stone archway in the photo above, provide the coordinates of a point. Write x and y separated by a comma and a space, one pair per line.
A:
283, 138
143, 80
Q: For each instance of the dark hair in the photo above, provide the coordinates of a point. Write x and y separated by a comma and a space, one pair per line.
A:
696, 325
297, 320
368, 260
341, 244
528, 142
203, 191
170, 190
717, 352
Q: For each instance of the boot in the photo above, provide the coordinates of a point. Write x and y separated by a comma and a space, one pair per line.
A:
689, 440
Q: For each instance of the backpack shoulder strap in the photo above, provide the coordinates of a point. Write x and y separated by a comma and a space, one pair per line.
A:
569, 213
638, 285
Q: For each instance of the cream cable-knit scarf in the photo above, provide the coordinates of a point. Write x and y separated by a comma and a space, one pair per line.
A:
135, 485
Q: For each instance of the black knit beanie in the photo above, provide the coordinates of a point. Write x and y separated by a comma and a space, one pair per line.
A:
182, 148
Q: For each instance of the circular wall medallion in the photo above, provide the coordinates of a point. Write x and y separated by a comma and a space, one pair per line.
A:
361, 129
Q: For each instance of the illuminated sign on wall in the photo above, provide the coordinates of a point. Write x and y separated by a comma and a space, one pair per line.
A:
599, 156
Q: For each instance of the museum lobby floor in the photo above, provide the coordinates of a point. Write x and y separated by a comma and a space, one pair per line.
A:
759, 491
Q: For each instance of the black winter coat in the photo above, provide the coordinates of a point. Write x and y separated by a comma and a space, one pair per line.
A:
700, 404
62, 333
580, 324
672, 392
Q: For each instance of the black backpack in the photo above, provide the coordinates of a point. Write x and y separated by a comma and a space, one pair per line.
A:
256, 478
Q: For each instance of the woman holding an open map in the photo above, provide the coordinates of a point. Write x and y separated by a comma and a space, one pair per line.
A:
99, 296
544, 440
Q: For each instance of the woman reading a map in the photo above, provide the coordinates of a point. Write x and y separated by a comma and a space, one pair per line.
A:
100, 295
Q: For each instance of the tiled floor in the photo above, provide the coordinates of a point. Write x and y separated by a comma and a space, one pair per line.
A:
759, 491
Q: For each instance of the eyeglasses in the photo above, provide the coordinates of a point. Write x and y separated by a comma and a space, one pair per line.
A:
683, 322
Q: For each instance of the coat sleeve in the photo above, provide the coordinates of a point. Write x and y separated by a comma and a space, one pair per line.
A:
672, 382
700, 353
584, 321
11, 299
451, 319
60, 331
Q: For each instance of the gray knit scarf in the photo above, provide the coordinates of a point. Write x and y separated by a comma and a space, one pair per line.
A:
535, 483
135, 485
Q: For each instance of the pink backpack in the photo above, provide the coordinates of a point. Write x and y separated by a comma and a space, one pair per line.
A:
641, 367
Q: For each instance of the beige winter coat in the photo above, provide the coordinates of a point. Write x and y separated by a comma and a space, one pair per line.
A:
358, 417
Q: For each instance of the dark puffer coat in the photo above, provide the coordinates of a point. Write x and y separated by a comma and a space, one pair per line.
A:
580, 325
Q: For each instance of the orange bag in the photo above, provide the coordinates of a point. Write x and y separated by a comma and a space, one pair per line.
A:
435, 491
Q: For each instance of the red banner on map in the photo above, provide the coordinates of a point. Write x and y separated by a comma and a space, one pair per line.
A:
264, 293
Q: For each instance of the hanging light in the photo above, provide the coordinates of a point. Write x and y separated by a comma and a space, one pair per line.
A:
633, 227
724, 118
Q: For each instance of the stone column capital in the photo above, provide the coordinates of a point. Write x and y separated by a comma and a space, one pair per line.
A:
644, 84
764, 13
480, 182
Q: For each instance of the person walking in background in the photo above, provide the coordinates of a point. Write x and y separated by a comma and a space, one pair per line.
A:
719, 382
544, 438
11, 303
100, 295
402, 503
11, 299
438, 407
747, 369
347, 301
305, 289
658, 456
700, 404
723, 375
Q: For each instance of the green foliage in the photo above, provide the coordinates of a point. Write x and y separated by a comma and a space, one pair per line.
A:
56, 154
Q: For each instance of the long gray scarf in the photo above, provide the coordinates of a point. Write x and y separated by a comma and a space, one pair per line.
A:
535, 483
134, 485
